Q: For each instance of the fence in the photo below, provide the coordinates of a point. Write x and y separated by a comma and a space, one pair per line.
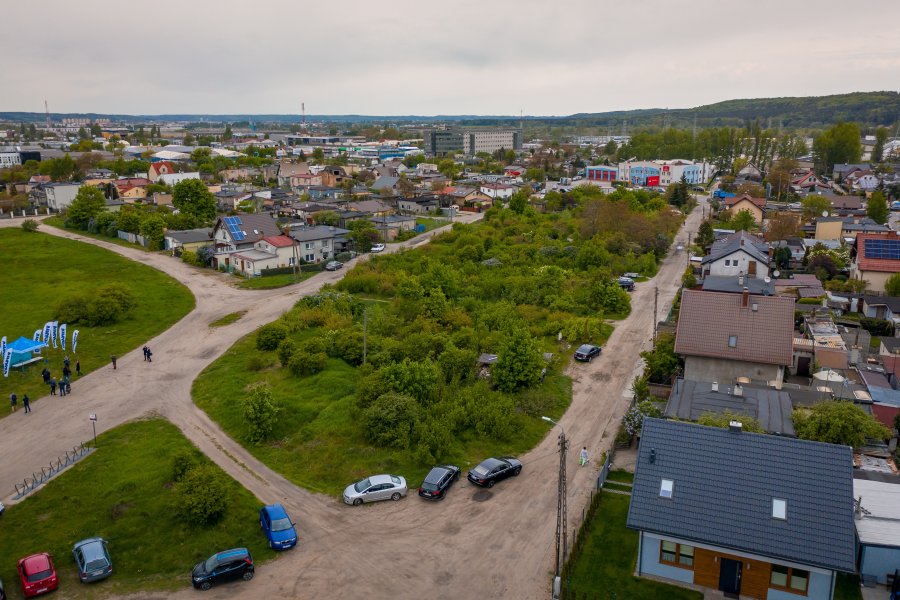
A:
29, 484
133, 238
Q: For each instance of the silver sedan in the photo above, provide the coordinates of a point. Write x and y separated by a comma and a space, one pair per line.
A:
374, 488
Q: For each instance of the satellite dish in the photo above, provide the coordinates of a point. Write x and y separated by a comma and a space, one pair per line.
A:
767, 280
776, 273
824, 213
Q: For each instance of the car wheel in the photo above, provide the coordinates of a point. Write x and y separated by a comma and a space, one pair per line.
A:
456, 476
517, 471
248, 575
205, 586
396, 496
271, 544
357, 501
490, 483
590, 359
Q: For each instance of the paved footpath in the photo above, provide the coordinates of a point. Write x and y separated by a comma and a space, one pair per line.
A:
476, 544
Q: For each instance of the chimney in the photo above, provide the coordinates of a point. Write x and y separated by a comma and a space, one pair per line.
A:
652, 455
738, 390
741, 279
715, 386
742, 241
735, 427
745, 298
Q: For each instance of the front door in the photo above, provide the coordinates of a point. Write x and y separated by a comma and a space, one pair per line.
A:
730, 577
751, 268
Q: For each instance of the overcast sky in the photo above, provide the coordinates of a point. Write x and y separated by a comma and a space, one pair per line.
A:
423, 57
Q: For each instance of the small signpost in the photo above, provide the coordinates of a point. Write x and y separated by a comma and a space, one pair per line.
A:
93, 418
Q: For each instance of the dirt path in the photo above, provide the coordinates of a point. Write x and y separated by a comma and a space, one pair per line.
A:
477, 544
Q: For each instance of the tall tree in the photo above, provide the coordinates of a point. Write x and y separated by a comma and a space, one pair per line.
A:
877, 208
228, 133
743, 221
192, 197
705, 234
815, 205
839, 144
88, 203
881, 135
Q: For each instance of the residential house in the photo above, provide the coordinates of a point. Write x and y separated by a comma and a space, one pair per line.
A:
302, 181
319, 242
467, 197
882, 307
391, 226
386, 183
160, 199
800, 285
229, 199
419, 206
173, 179
876, 259
755, 206
844, 203
737, 284
498, 191
270, 252
862, 180
771, 408
333, 176
748, 514
806, 182
838, 228
726, 336
736, 254
240, 174
829, 347
750, 172
840, 171
324, 193
162, 167
374, 207
286, 170
129, 192
55, 196
187, 239
877, 520
240, 233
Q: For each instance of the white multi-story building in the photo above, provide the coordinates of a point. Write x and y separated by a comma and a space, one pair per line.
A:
491, 140
10, 159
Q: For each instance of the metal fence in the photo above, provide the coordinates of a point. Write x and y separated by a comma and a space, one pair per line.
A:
29, 484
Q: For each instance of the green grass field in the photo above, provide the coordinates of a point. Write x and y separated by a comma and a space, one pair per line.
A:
228, 319
39, 270
272, 281
122, 492
60, 223
608, 558
319, 442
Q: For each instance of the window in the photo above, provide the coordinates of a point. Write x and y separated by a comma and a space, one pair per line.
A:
676, 555
789, 579
308, 245
310, 258
666, 488
732, 341
779, 509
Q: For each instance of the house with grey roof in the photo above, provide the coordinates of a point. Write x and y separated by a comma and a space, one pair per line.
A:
240, 233
187, 239
750, 515
878, 527
771, 408
738, 254
736, 285
320, 242
725, 336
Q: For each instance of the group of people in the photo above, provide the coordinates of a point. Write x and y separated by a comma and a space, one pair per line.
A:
14, 400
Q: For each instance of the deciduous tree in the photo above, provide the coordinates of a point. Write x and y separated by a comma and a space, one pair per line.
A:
191, 196
838, 422
88, 203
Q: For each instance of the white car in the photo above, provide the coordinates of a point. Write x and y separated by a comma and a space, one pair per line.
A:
374, 488
377, 247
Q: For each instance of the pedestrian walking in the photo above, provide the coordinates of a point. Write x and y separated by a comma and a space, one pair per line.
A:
46, 375
66, 371
12, 402
52, 387
78, 368
149, 355
26, 403
66, 361
62, 387
145, 350
113, 359
68, 388
583, 459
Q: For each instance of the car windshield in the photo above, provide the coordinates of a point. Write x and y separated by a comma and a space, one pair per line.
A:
480, 470
429, 487
395, 479
281, 524
584, 349
99, 563
39, 575
210, 565
362, 485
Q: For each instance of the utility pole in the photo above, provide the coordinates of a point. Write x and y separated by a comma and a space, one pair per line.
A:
562, 540
365, 330
655, 312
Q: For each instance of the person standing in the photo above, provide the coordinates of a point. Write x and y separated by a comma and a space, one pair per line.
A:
46, 375
52, 387
113, 359
26, 403
149, 355
583, 459
66, 361
12, 402
78, 368
62, 386
68, 387
66, 371
145, 349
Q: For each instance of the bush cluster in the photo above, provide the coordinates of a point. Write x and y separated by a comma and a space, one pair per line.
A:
104, 306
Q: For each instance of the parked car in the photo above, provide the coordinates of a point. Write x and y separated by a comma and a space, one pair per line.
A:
92, 557
627, 283
278, 527
2, 591
333, 265
438, 481
493, 470
587, 352
223, 566
2, 508
37, 575
378, 248
374, 488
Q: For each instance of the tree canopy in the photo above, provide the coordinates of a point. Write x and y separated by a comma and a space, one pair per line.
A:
192, 197
837, 422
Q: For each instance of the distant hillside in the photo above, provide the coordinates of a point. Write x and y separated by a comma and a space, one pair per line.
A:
866, 108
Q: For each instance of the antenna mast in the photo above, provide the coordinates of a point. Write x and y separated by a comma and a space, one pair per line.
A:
47, 110
303, 111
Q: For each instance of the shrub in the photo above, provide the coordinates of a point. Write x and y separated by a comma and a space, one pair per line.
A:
634, 418
391, 420
286, 350
107, 305
259, 412
29, 225
457, 363
880, 327
304, 362
419, 379
270, 336
182, 462
190, 258
201, 495
348, 346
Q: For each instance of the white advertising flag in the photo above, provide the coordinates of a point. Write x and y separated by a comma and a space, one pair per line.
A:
62, 336
3, 345
46, 334
37, 336
53, 327
74, 340
7, 359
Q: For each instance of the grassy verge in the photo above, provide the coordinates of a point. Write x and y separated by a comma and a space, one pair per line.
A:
430, 223
319, 441
625, 476
228, 319
272, 281
40, 270
598, 569
123, 493
847, 587
60, 223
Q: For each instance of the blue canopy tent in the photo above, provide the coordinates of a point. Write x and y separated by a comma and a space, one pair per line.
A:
22, 350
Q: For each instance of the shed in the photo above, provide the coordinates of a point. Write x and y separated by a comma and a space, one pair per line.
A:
878, 528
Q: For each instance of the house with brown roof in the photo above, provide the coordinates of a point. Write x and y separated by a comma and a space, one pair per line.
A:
877, 257
755, 206
157, 169
726, 336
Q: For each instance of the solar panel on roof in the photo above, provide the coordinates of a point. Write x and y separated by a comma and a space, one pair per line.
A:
882, 249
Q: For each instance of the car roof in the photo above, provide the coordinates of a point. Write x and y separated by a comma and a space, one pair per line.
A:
276, 511
92, 548
36, 562
378, 479
490, 463
233, 553
586, 347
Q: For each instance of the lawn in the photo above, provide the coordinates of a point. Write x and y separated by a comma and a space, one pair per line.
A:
272, 281
319, 442
60, 223
431, 223
40, 270
606, 565
228, 319
123, 493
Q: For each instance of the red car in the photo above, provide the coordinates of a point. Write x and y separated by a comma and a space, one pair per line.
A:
37, 574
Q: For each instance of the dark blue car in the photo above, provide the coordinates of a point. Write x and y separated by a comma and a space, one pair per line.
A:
278, 527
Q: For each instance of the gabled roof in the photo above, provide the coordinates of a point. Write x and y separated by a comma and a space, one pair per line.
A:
385, 182
892, 302
733, 285
708, 320
724, 486
758, 202
190, 236
738, 241
881, 264
279, 241
318, 232
879, 524
253, 227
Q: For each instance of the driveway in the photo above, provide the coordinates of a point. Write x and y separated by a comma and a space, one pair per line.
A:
496, 543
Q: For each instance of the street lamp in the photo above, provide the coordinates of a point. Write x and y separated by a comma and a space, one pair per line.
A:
560, 509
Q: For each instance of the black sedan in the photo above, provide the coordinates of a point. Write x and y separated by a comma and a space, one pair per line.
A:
493, 470
587, 352
438, 482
